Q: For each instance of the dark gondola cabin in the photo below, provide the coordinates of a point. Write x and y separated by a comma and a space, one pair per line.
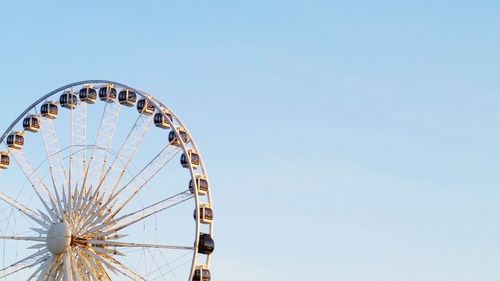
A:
127, 98
31, 123
15, 140
88, 94
201, 185
206, 214
161, 121
68, 100
145, 107
108, 93
4, 160
49, 110
206, 245
172, 137
195, 159
202, 274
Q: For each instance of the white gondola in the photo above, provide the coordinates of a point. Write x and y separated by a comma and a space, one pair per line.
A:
68, 100
201, 185
31, 123
195, 159
206, 214
88, 94
49, 110
172, 137
127, 98
145, 107
161, 121
15, 140
201, 273
108, 93
4, 160
206, 244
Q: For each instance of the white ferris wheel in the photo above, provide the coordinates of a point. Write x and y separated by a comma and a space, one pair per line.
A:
101, 181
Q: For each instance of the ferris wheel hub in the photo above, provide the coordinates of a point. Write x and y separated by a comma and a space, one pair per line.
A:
58, 238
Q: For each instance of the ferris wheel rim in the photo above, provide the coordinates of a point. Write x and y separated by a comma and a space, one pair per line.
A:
160, 107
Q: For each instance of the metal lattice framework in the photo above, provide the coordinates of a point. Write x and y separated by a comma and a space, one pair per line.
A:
76, 220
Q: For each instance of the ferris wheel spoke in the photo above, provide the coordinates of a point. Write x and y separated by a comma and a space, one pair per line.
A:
106, 251
78, 140
59, 207
87, 200
52, 150
100, 152
91, 209
18, 268
52, 269
111, 225
73, 263
138, 245
104, 260
158, 274
94, 211
76, 196
24, 263
68, 271
38, 270
125, 221
25, 210
88, 267
140, 180
129, 148
20, 238
46, 267
35, 179
113, 264
126, 271
144, 176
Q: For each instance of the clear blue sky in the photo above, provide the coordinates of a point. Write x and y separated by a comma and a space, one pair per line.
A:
346, 140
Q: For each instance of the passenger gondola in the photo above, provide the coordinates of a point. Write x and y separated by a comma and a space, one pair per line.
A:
206, 214
201, 273
4, 160
68, 100
161, 121
195, 159
31, 123
15, 140
172, 137
49, 110
88, 94
127, 98
108, 93
206, 244
145, 107
201, 185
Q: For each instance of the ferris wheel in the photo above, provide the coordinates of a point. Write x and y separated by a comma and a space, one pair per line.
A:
99, 181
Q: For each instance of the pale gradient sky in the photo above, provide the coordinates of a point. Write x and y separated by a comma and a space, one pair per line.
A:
346, 140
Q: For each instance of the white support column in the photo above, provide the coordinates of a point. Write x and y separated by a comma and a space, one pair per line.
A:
134, 140
98, 160
79, 143
52, 150
36, 181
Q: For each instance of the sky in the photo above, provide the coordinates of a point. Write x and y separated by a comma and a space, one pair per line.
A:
345, 140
